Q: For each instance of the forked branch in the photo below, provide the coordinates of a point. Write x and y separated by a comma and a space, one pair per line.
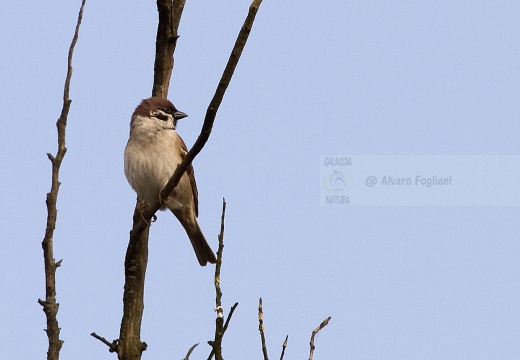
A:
129, 345
209, 119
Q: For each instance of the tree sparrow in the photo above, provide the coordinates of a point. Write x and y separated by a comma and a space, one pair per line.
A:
152, 154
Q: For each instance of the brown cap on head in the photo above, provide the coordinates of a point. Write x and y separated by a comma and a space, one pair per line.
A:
148, 106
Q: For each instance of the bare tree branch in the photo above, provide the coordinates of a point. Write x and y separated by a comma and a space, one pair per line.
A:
231, 311
170, 13
187, 357
229, 316
136, 259
283, 347
50, 306
112, 346
130, 345
314, 332
261, 328
219, 322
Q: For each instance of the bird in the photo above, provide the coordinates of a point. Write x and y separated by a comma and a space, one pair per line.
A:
153, 151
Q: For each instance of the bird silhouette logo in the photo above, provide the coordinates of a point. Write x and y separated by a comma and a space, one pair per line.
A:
338, 181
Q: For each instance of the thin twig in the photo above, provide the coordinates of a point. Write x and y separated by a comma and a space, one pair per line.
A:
229, 316
50, 306
261, 328
187, 357
211, 113
314, 332
112, 346
284, 346
218, 298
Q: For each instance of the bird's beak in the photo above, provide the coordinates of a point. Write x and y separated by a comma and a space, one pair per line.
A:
179, 115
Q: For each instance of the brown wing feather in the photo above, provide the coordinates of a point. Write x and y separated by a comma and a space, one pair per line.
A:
191, 176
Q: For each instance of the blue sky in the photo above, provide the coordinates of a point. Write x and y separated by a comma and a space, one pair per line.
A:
316, 79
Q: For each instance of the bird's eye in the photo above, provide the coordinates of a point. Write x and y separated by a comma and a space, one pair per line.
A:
168, 110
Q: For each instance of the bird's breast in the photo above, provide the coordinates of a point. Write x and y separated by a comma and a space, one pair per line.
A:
150, 162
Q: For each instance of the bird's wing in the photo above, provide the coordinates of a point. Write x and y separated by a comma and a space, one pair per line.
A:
191, 176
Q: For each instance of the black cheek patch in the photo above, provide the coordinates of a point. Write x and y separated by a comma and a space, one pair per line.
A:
161, 115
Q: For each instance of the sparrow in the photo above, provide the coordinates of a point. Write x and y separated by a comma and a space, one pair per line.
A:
153, 151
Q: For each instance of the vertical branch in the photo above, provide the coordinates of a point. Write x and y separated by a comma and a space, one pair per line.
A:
136, 259
231, 311
219, 322
261, 328
130, 345
170, 13
50, 306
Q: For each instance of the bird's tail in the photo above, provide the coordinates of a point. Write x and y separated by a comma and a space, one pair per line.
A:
202, 249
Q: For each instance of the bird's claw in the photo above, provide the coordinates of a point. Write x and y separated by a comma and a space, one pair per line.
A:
148, 222
162, 201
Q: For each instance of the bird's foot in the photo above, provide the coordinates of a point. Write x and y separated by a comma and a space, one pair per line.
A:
162, 201
153, 219
142, 207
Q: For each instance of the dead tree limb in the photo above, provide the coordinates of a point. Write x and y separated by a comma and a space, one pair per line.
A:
50, 306
170, 13
283, 347
219, 321
261, 328
187, 357
226, 324
314, 332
